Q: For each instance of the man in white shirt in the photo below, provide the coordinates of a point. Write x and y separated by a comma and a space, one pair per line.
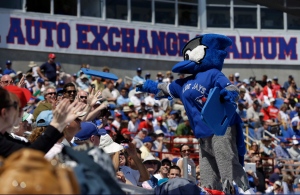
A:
136, 100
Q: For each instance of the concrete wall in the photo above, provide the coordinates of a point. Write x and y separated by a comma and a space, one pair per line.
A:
126, 66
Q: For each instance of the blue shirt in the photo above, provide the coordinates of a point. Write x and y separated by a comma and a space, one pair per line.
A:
281, 152
122, 100
8, 71
137, 79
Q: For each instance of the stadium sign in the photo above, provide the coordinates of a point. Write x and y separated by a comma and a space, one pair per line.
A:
133, 41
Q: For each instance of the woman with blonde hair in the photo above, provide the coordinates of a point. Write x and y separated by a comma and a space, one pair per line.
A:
283, 118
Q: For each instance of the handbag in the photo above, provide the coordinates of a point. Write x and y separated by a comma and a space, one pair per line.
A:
26, 171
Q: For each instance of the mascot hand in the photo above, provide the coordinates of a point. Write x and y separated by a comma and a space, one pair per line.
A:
230, 96
148, 86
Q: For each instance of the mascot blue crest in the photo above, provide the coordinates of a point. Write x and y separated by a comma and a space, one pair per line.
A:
203, 53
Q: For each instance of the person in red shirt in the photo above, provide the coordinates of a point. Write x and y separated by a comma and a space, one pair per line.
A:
276, 86
268, 90
272, 110
147, 124
265, 112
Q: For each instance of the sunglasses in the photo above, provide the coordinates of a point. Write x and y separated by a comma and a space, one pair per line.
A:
83, 97
185, 151
150, 162
71, 91
14, 104
8, 81
51, 93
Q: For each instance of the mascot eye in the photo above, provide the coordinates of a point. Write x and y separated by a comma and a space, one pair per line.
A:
187, 55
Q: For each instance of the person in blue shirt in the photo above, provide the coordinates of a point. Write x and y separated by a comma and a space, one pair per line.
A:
123, 99
138, 78
49, 69
8, 69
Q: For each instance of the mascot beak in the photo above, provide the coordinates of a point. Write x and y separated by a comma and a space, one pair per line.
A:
185, 67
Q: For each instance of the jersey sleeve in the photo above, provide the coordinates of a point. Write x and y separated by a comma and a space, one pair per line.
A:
175, 88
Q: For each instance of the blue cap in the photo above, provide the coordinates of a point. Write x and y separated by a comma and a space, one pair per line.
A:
102, 132
40, 80
61, 82
147, 139
173, 112
87, 130
44, 118
148, 74
58, 64
74, 75
8, 62
139, 69
59, 90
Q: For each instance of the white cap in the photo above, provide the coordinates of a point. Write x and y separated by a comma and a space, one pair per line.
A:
295, 142
236, 74
108, 145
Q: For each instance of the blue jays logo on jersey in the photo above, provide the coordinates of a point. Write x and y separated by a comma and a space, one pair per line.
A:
194, 50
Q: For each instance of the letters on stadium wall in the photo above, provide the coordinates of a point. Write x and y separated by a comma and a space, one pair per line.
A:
98, 37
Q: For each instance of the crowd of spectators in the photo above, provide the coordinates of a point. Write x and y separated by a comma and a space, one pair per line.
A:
148, 138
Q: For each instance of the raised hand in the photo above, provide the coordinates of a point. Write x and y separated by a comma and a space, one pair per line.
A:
93, 97
65, 113
21, 84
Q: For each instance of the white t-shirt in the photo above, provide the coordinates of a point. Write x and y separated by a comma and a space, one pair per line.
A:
158, 176
130, 174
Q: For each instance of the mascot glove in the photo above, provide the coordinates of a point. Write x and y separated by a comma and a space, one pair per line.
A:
148, 86
229, 96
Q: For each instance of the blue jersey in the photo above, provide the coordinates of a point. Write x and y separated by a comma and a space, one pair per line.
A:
193, 92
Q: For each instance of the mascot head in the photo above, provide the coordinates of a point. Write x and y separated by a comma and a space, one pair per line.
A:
203, 53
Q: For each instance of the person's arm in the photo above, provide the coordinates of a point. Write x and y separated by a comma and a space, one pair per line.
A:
180, 165
38, 70
116, 160
92, 115
144, 174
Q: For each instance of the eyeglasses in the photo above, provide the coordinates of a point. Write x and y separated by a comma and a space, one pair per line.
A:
71, 91
185, 151
83, 97
150, 162
51, 93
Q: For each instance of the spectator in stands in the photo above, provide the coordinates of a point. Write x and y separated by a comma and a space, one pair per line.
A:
164, 169
275, 188
146, 147
231, 78
6, 80
89, 133
265, 111
261, 186
39, 88
82, 96
157, 112
138, 78
296, 131
292, 89
108, 95
269, 92
29, 82
253, 150
242, 112
147, 76
281, 151
294, 113
243, 98
281, 93
138, 139
117, 121
259, 94
167, 77
174, 172
134, 170
136, 99
177, 105
287, 184
254, 84
173, 121
185, 151
49, 69
83, 82
184, 128
98, 84
283, 118
158, 143
275, 85
50, 96
253, 114
297, 188
152, 165
147, 124
288, 82
150, 100
237, 81
123, 99
273, 110
266, 149
133, 123
70, 91
161, 125
8, 70
263, 81
294, 151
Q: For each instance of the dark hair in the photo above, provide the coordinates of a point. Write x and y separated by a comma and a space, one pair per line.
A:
174, 167
5, 98
181, 146
68, 85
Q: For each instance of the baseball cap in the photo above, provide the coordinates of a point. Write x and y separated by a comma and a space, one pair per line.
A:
130, 104
52, 56
166, 160
278, 183
295, 142
291, 77
40, 80
108, 145
275, 78
159, 118
149, 116
246, 81
44, 118
158, 132
117, 114
125, 131
236, 74
8, 62
23, 94
173, 112
87, 130
156, 105
269, 80
148, 74
139, 69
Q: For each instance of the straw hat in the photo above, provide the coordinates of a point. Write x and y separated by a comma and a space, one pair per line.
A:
32, 64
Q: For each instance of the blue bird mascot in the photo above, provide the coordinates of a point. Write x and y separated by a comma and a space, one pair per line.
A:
221, 156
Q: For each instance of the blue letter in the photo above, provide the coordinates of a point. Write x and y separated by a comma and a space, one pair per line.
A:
49, 26
172, 44
111, 31
158, 42
258, 48
127, 39
143, 42
183, 39
244, 41
273, 53
233, 49
36, 39
15, 31
60, 28
98, 38
287, 49
81, 36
